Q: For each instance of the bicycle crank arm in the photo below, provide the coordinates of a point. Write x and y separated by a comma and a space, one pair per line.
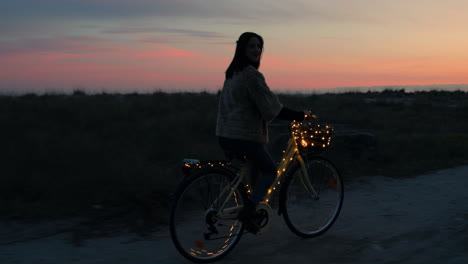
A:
230, 213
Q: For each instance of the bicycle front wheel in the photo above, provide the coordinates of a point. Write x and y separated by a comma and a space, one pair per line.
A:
312, 201
198, 229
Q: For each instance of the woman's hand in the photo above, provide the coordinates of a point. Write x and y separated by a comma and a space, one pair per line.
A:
309, 115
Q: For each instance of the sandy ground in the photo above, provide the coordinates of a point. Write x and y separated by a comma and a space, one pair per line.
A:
417, 220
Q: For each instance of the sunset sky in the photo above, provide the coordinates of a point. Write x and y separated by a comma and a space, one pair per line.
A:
186, 45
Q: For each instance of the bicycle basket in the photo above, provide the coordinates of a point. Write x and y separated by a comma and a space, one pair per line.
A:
311, 137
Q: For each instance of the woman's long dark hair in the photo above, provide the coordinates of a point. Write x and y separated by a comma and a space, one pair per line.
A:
240, 61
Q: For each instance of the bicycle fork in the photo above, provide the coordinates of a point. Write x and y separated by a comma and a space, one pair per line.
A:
304, 177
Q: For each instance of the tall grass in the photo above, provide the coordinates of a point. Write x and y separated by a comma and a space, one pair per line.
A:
64, 154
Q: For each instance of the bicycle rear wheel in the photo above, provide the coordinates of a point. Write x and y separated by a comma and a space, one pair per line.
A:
197, 231
311, 203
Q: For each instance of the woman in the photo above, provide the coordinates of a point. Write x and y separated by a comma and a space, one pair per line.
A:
246, 106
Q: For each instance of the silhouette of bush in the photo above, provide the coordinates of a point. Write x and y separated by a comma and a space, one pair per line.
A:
62, 154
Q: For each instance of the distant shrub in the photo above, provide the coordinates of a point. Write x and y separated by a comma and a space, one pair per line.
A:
71, 152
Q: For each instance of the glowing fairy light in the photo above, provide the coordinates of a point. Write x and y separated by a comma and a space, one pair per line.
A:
310, 136
197, 164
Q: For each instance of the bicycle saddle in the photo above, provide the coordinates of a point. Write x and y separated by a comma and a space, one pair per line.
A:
231, 155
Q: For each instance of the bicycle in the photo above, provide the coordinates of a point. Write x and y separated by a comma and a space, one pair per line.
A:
203, 222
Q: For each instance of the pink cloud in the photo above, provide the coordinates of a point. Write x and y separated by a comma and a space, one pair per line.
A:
96, 62
284, 63
118, 66
160, 51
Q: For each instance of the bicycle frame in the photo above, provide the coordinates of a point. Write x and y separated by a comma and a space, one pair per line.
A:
205, 221
290, 155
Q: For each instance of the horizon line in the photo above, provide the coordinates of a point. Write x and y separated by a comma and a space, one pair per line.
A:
350, 89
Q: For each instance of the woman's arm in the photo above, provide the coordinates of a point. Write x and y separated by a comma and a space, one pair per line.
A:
264, 99
290, 115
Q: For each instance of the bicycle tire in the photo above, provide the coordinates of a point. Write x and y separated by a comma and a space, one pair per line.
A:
198, 248
308, 214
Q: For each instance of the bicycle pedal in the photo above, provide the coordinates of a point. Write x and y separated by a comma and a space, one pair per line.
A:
252, 227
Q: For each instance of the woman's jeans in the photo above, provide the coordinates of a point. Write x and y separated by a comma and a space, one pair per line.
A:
260, 160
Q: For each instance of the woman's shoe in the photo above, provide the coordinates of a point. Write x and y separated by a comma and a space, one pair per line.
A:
248, 217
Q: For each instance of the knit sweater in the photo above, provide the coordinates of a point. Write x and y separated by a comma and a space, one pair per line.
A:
246, 105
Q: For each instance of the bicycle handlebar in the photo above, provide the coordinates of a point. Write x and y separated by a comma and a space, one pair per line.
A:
308, 115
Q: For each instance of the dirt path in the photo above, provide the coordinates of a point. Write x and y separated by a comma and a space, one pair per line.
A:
417, 220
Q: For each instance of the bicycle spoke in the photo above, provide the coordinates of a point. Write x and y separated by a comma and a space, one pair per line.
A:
203, 199
218, 195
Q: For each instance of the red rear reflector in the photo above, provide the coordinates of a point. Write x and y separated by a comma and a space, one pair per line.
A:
199, 244
331, 183
185, 169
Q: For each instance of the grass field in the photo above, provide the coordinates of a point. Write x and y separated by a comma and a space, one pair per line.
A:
66, 155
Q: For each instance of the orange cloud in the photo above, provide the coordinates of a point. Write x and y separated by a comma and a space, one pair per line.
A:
151, 65
154, 65
156, 51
